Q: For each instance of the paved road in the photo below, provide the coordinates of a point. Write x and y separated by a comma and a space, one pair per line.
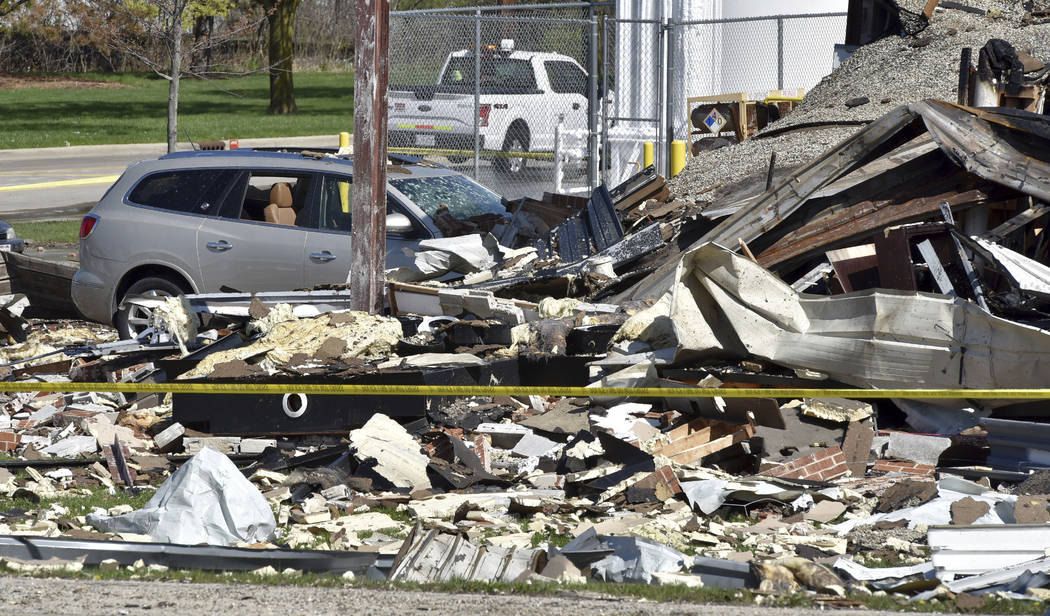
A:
56, 182
32, 596
68, 181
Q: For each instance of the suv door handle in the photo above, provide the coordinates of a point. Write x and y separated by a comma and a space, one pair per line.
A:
322, 256
220, 246
575, 106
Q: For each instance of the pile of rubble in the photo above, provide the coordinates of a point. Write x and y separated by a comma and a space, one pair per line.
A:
912, 255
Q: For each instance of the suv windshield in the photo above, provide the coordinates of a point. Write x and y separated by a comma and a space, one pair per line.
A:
462, 196
495, 72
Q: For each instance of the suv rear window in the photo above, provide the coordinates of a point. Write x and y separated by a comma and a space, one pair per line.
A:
192, 191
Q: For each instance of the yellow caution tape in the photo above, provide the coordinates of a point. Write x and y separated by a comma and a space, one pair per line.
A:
333, 389
420, 151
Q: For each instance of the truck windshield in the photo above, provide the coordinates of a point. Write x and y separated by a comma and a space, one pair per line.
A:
495, 72
463, 197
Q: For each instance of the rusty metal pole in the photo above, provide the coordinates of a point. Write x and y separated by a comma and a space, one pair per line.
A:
368, 212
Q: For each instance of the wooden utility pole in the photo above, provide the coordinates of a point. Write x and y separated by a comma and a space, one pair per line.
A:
368, 212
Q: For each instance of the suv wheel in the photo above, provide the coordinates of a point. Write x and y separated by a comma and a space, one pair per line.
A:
133, 320
517, 140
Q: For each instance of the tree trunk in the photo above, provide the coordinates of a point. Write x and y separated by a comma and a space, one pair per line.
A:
173, 84
282, 28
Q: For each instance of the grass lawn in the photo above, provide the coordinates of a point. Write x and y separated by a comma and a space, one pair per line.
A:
133, 109
47, 232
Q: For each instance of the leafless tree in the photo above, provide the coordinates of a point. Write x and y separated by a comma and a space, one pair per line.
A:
9, 6
159, 39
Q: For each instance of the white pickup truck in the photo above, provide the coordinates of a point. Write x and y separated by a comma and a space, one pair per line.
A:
521, 96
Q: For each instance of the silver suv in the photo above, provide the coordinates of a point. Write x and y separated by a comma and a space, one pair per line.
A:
248, 220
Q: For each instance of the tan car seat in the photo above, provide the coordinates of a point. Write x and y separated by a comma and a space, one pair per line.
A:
280, 211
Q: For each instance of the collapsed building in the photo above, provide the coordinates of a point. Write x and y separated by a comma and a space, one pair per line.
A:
910, 255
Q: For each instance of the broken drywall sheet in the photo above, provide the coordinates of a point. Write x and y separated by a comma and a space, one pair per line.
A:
726, 304
393, 451
707, 495
937, 511
464, 254
207, 500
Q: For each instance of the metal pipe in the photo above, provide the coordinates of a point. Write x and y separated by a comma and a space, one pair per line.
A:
559, 160
605, 100
661, 138
557, 5
632, 119
670, 98
780, 53
592, 106
736, 20
477, 94
496, 18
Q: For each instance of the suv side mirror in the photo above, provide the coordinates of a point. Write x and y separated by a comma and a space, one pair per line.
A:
399, 224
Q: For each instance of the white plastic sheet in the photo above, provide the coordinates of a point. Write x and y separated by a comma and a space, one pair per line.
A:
206, 501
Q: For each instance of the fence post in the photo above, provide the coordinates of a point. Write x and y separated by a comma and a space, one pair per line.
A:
669, 98
559, 159
604, 98
661, 31
780, 53
477, 92
592, 104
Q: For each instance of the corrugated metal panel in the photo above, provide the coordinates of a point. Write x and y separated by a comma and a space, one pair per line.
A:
437, 557
971, 550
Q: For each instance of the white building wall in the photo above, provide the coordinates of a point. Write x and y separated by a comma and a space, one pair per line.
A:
717, 58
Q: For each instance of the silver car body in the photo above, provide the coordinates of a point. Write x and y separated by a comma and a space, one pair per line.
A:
206, 251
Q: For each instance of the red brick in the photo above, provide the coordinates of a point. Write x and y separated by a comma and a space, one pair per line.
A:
903, 466
827, 463
8, 440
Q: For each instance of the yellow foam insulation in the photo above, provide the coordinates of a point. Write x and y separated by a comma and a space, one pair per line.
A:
366, 336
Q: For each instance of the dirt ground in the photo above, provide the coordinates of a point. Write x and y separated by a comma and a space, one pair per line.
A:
34, 596
17, 82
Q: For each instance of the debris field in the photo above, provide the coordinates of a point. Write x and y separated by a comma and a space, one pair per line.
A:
909, 253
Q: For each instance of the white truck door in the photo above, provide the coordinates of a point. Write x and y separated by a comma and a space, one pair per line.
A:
569, 83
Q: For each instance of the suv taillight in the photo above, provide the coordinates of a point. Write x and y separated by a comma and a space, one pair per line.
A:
87, 225
483, 114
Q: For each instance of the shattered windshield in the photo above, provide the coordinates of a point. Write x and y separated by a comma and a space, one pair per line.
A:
463, 197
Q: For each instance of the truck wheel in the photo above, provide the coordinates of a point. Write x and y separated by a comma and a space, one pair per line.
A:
517, 140
133, 320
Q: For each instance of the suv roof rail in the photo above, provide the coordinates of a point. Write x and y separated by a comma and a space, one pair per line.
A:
397, 159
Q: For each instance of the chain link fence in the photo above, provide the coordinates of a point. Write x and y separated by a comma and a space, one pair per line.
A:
633, 78
496, 93
560, 97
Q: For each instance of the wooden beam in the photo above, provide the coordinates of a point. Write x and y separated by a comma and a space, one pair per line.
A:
927, 11
368, 212
702, 437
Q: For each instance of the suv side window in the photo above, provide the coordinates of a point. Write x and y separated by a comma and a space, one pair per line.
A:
566, 77
190, 191
268, 196
334, 210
